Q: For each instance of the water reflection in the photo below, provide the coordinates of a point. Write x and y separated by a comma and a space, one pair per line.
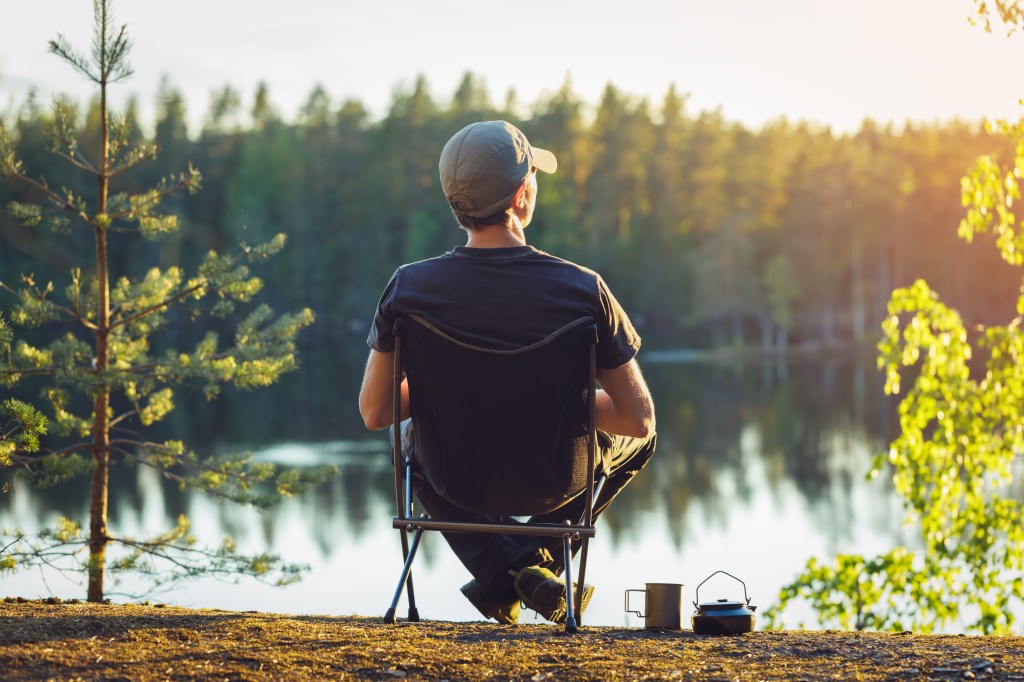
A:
758, 468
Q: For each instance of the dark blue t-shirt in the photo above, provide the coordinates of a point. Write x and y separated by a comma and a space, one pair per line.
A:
504, 299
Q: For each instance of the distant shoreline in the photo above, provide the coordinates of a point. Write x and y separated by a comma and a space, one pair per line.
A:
754, 353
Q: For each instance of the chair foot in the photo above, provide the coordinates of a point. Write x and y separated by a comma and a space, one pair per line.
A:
570, 626
389, 616
414, 614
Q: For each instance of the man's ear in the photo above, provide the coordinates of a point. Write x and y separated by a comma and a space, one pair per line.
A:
519, 200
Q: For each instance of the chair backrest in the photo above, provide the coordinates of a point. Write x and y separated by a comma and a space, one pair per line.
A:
501, 431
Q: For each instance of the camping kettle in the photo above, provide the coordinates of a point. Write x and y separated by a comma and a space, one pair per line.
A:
722, 617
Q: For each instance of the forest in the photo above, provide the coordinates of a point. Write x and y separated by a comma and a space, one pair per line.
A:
712, 234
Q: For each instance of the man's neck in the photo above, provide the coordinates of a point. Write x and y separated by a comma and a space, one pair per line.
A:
496, 237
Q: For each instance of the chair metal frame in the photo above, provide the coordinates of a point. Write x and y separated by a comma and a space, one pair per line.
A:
406, 523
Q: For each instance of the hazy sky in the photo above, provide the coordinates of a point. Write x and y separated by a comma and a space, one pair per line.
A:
827, 61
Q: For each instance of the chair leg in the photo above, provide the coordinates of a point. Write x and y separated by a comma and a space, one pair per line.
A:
414, 613
406, 579
583, 587
598, 486
570, 617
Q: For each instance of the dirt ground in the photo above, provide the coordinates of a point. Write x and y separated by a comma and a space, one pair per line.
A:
78, 641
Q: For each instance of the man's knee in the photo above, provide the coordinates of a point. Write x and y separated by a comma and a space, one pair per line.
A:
626, 453
643, 453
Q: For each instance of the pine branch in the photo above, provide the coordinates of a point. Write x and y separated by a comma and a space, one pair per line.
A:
84, 445
132, 159
62, 48
35, 371
109, 52
156, 198
77, 310
119, 68
77, 315
173, 298
223, 561
160, 371
229, 479
41, 296
49, 558
62, 203
199, 465
182, 293
121, 417
26, 462
128, 455
82, 165
154, 548
11, 543
44, 553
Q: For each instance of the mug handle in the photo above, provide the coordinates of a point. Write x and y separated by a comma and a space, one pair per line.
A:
628, 610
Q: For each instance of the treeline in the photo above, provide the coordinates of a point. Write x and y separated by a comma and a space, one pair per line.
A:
709, 232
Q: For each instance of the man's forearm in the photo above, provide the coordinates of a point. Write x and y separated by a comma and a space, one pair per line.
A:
376, 397
624, 405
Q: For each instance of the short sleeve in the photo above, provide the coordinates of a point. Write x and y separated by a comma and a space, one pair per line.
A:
617, 341
381, 338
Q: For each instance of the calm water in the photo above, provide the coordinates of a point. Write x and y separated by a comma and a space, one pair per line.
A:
758, 469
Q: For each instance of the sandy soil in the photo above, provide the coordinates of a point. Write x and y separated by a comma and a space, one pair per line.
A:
78, 641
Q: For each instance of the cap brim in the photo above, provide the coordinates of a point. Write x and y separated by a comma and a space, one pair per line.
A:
544, 160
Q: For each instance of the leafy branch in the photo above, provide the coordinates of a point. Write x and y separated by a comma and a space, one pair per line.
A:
1009, 12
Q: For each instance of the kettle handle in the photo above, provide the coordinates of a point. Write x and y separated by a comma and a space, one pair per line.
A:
696, 593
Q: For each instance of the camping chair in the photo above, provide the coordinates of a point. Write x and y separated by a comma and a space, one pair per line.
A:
498, 432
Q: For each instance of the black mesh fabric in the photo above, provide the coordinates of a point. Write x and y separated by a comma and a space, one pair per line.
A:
500, 432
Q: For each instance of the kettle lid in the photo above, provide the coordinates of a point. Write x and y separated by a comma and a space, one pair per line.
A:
720, 605
723, 604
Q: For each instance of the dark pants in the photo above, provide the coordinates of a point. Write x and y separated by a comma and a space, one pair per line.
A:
489, 557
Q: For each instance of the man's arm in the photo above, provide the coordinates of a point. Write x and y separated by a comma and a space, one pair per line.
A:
376, 402
624, 405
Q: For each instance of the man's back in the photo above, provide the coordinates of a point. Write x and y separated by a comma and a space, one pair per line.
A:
504, 298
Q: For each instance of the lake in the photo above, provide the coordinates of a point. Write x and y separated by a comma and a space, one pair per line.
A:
759, 467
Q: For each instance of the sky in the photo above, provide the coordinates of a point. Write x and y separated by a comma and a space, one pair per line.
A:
830, 62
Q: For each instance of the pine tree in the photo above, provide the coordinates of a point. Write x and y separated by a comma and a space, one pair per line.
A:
110, 365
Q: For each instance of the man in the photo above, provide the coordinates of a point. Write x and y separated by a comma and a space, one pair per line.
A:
498, 292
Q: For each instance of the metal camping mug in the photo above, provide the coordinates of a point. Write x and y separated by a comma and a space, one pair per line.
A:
662, 606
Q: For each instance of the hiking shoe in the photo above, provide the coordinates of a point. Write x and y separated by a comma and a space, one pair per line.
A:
544, 592
503, 613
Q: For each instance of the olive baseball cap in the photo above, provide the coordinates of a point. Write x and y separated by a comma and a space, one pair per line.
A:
484, 164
